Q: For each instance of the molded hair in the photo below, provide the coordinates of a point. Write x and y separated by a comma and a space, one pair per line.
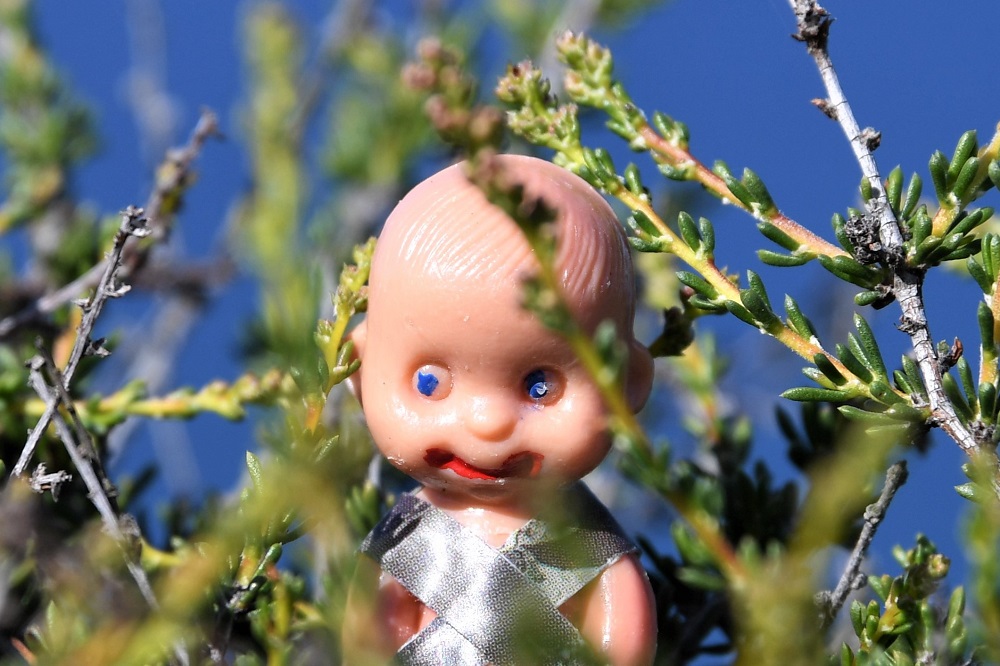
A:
445, 229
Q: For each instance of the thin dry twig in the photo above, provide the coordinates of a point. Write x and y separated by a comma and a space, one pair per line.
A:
42, 480
133, 224
123, 260
84, 442
80, 448
813, 29
174, 174
852, 578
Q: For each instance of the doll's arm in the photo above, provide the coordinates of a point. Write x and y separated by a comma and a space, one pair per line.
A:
619, 616
381, 615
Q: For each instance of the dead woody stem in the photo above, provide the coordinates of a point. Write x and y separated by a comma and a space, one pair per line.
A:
852, 578
172, 178
133, 224
813, 29
80, 448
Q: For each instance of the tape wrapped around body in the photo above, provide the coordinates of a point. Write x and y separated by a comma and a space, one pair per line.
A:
494, 606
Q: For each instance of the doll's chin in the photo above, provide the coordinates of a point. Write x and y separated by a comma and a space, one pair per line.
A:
492, 491
483, 490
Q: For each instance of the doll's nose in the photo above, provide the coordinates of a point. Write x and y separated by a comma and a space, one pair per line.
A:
491, 418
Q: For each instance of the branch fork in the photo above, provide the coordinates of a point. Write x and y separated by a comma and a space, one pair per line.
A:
907, 283
133, 224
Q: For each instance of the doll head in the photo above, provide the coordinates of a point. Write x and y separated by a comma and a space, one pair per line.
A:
463, 389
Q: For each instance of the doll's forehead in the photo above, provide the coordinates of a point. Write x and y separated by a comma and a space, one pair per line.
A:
446, 232
424, 293
445, 248
486, 310
447, 220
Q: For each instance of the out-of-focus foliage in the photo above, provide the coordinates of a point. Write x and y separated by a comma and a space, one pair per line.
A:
739, 562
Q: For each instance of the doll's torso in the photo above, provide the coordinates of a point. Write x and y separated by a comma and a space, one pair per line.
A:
486, 586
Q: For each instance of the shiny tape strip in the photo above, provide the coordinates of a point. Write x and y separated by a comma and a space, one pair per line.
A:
563, 553
490, 603
473, 588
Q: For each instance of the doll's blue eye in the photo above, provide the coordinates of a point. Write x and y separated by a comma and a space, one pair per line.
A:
427, 383
537, 386
432, 381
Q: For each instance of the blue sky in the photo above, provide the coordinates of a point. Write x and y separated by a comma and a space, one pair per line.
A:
920, 71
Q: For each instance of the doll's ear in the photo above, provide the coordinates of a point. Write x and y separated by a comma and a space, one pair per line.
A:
359, 336
639, 381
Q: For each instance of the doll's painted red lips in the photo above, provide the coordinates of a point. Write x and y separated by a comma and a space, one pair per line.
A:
524, 464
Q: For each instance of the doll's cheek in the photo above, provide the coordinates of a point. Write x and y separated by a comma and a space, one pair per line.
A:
572, 447
408, 459
577, 417
396, 416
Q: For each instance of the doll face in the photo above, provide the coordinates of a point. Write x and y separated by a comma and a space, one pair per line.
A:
467, 393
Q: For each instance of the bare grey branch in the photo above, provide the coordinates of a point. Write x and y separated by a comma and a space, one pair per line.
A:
813, 29
91, 311
171, 179
79, 446
852, 578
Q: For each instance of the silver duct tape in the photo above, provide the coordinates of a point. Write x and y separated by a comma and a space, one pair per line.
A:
440, 643
495, 606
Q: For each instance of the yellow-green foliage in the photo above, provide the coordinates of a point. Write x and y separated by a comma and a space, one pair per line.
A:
263, 577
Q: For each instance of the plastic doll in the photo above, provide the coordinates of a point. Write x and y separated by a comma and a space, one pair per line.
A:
502, 549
